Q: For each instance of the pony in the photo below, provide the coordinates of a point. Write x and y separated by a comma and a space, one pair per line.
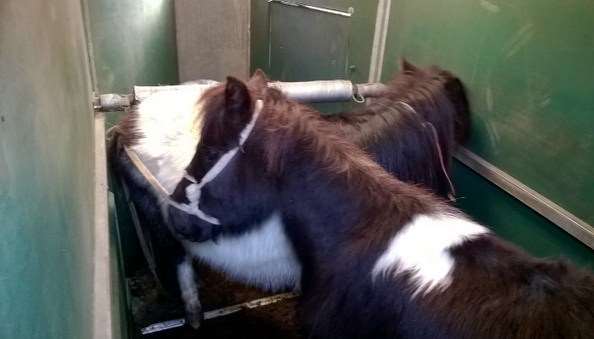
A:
379, 258
411, 130
420, 119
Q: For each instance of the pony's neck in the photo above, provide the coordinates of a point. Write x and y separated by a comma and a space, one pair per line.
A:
336, 202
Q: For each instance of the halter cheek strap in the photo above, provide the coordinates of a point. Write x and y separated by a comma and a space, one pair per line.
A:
194, 190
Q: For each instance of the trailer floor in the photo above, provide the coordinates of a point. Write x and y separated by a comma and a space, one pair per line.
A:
151, 305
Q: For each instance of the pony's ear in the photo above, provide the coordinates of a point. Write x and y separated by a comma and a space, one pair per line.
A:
237, 100
259, 80
406, 66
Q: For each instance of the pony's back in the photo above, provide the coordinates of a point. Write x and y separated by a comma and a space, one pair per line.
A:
412, 130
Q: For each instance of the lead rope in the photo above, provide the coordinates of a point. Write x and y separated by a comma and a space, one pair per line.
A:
452, 192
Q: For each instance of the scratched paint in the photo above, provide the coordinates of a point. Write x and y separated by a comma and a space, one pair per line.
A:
528, 70
490, 6
520, 39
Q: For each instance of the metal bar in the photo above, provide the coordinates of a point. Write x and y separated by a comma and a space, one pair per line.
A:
315, 8
142, 92
163, 326
382, 20
102, 301
371, 90
305, 91
221, 312
112, 102
319, 91
539, 203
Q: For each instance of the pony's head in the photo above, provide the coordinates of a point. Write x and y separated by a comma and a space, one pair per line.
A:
226, 179
426, 85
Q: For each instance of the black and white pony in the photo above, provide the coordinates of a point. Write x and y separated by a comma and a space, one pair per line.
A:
379, 258
411, 131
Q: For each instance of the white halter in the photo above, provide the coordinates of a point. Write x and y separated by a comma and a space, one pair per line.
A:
194, 190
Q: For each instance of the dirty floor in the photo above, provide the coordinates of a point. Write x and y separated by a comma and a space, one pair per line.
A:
151, 305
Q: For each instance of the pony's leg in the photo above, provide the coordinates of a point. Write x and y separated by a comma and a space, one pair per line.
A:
189, 292
297, 287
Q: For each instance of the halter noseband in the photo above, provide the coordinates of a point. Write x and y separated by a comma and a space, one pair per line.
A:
194, 190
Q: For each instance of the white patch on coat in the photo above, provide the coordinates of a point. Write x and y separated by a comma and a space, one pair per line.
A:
167, 124
422, 248
262, 257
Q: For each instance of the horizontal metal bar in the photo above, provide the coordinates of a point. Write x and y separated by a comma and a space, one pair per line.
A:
163, 326
327, 90
112, 102
305, 91
315, 8
556, 214
221, 312
140, 93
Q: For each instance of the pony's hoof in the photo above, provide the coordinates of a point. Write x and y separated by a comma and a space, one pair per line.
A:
194, 319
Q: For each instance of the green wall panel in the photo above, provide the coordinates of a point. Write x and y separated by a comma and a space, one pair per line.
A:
528, 66
46, 171
292, 29
133, 43
298, 44
512, 220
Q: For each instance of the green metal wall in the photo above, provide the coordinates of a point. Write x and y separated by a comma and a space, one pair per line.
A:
298, 44
46, 171
133, 43
512, 220
528, 68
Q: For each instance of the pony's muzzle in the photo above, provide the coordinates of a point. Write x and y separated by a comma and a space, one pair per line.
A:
190, 227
